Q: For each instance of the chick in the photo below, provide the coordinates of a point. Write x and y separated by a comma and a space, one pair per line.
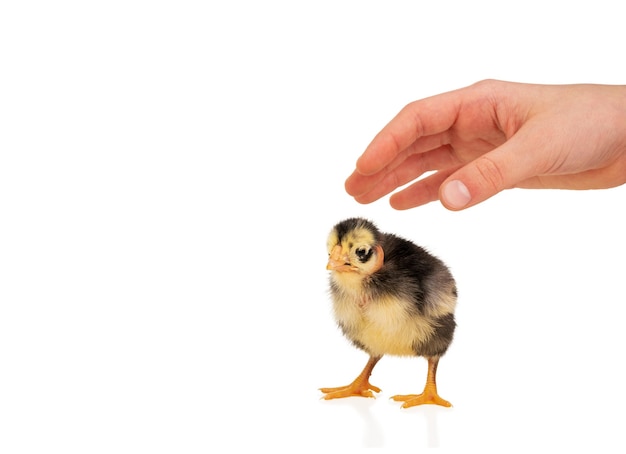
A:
390, 297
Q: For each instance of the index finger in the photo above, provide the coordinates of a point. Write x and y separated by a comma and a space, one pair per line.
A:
425, 117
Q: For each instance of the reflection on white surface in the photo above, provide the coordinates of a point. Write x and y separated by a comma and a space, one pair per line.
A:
370, 433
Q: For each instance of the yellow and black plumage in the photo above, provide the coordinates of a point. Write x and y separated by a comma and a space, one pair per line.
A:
390, 297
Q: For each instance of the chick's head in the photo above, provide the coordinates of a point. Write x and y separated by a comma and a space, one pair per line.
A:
353, 247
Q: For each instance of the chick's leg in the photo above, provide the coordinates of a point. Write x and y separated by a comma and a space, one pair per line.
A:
359, 387
429, 395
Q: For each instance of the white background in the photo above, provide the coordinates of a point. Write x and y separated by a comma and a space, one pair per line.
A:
169, 172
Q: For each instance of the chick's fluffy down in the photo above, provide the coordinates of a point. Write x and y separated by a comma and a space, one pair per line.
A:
404, 308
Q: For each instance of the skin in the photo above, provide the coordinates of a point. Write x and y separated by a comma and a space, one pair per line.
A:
492, 136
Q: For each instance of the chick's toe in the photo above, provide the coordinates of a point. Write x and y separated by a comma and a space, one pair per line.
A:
362, 389
429, 396
361, 385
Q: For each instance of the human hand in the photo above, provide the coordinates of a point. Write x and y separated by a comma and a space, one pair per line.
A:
495, 135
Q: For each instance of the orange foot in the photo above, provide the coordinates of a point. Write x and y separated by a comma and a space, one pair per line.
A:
361, 388
429, 396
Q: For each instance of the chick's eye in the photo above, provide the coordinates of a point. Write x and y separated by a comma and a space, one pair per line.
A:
363, 254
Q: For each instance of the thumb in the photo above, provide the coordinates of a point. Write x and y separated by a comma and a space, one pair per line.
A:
502, 168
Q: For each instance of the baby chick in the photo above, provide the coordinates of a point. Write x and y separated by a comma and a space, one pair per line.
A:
390, 297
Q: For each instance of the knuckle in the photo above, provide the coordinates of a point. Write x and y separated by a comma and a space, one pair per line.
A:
490, 173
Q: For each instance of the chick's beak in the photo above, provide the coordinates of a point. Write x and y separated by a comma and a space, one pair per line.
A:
338, 261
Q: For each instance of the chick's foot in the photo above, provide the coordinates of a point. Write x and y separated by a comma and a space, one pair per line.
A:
361, 385
429, 396
362, 388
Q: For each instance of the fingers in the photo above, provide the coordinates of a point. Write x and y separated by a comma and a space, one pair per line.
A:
369, 188
458, 187
382, 184
426, 117
420, 193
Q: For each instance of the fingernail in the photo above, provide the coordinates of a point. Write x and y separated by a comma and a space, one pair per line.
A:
455, 194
